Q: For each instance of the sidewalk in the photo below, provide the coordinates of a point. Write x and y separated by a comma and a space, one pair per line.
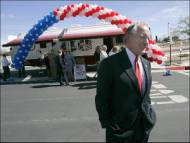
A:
174, 66
27, 80
43, 79
90, 75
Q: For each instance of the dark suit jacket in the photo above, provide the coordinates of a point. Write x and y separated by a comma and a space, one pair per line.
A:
119, 100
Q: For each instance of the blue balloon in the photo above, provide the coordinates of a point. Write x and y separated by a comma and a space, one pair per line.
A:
31, 37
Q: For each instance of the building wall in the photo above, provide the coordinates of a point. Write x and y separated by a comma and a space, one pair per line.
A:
37, 53
97, 42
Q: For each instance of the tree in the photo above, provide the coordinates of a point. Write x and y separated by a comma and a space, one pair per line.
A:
175, 38
183, 26
166, 39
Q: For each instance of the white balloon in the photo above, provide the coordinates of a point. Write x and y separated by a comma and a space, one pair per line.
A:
62, 8
109, 19
59, 13
101, 12
95, 5
121, 26
115, 18
80, 4
86, 9
95, 14
90, 7
127, 25
74, 8
104, 11
68, 15
82, 13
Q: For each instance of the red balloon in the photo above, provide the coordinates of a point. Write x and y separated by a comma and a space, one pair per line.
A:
100, 16
159, 61
97, 8
124, 29
68, 8
62, 16
55, 12
83, 6
151, 41
102, 8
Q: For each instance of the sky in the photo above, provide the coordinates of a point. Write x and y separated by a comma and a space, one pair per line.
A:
20, 16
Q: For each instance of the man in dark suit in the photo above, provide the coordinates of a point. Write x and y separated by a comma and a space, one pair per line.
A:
123, 90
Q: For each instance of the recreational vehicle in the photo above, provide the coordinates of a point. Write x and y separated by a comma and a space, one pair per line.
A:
81, 40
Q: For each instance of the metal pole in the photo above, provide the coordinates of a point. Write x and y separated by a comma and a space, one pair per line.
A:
170, 42
168, 30
180, 50
170, 54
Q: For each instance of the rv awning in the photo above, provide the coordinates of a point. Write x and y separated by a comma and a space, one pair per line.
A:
74, 34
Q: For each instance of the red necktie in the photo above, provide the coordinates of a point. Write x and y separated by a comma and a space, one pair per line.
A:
138, 73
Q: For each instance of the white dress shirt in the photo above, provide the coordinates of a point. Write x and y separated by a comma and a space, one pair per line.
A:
132, 60
103, 55
5, 62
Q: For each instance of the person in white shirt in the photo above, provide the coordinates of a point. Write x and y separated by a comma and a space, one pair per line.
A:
6, 70
114, 50
103, 53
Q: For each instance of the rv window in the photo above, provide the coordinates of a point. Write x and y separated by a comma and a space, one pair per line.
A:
81, 45
63, 45
43, 45
119, 39
88, 44
73, 46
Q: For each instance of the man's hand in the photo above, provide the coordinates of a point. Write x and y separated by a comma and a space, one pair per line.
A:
115, 127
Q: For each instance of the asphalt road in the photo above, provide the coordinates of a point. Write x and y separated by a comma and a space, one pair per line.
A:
51, 113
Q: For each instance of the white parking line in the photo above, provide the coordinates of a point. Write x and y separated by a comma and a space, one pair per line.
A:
155, 97
159, 86
161, 93
166, 91
154, 82
155, 94
178, 98
158, 71
153, 90
183, 72
165, 102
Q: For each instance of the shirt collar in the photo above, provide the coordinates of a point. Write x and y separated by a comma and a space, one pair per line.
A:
131, 56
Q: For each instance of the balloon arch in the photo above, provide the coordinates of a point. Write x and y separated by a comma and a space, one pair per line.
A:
73, 10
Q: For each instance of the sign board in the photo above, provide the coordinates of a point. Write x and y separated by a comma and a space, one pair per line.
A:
80, 71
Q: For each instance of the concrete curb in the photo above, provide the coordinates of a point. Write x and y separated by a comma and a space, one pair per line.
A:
39, 80
27, 82
172, 68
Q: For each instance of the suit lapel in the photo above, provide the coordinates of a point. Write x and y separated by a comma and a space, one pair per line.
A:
127, 67
146, 74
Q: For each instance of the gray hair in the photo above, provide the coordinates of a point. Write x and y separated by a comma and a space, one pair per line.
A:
116, 48
134, 27
104, 47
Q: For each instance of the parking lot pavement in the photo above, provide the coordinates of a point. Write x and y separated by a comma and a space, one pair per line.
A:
49, 112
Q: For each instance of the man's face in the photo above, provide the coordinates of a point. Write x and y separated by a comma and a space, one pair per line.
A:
137, 42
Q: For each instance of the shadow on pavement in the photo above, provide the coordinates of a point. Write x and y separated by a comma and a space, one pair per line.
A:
85, 85
43, 86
